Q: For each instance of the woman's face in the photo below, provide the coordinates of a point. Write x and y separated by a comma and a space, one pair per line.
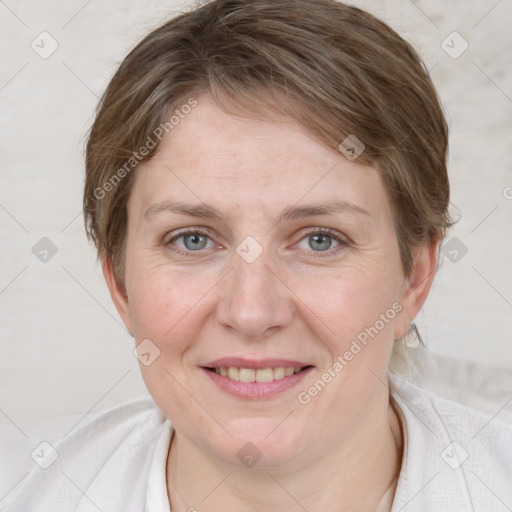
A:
252, 246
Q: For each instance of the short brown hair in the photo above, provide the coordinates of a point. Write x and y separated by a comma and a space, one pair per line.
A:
336, 69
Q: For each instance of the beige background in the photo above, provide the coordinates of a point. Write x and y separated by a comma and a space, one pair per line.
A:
63, 349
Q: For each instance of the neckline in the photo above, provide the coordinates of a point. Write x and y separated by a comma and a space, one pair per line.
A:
159, 493
389, 499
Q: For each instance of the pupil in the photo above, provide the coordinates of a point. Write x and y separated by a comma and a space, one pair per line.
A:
194, 241
320, 242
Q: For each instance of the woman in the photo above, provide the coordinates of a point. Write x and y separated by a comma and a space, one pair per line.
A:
266, 186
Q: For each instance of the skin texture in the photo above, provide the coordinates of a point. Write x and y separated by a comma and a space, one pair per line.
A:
340, 451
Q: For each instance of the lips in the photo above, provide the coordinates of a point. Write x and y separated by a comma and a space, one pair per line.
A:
255, 371
252, 389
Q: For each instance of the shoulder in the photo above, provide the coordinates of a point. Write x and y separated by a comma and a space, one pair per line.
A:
453, 454
108, 454
460, 420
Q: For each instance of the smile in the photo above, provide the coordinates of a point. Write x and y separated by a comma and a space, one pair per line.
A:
255, 375
255, 380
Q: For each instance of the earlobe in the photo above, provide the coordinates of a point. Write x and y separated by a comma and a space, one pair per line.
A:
118, 294
417, 286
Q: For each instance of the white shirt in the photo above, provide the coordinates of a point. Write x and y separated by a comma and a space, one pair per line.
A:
455, 459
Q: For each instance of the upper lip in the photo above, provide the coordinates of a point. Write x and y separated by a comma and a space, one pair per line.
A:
240, 362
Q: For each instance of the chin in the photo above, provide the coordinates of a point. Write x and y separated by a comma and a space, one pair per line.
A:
257, 443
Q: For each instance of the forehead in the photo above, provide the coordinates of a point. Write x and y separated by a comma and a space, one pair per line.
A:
222, 159
210, 135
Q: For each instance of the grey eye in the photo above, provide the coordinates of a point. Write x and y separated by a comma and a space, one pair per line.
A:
194, 241
319, 242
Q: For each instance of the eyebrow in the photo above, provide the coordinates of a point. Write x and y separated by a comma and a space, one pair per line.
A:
289, 213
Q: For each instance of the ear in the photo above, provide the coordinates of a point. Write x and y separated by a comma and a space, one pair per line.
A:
417, 286
119, 296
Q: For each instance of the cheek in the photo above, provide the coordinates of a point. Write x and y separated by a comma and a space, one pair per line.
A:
360, 311
168, 304
165, 309
350, 301
160, 299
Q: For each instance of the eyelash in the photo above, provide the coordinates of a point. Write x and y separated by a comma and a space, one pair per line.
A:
312, 231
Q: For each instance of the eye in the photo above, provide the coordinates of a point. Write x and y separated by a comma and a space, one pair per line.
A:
318, 240
191, 241
321, 241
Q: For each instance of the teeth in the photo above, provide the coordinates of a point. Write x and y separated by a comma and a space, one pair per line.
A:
233, 373
246, 375
278, 373
261, 375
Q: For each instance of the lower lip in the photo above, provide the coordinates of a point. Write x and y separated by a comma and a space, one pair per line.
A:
256, 390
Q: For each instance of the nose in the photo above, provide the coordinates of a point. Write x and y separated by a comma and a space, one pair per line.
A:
255, 302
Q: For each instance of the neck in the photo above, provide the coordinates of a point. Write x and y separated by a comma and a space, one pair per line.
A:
352, 475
